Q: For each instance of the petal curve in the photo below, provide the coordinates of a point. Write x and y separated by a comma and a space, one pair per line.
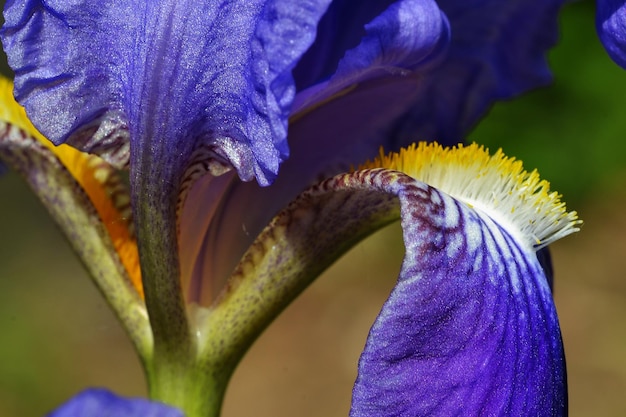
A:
490, 58
469, 329
98, 402
441, 99
405, 37
153, 83
340, 29
86, 68
326, 137
611, 27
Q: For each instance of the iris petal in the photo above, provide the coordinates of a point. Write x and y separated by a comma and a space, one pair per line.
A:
326, 139
490, 58
470, 327
99, 402
109, 67
161, 84
611, 26
340, 29
406, 36
438, 93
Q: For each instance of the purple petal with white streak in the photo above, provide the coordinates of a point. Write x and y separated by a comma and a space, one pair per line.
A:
469, 329
434, 92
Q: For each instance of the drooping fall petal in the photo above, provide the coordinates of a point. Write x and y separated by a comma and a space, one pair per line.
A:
470, 327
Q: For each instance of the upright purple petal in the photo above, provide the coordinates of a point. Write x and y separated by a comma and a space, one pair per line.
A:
406, 36
497, 51
327, 139
97, 402
611, 27
470, 328
340, 29
174, 75
422, 71
165, 85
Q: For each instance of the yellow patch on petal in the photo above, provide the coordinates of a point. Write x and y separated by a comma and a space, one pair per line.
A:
96, 177
496, 184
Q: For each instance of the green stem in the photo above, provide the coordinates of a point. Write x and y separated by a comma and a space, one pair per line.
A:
160, 275
195, 388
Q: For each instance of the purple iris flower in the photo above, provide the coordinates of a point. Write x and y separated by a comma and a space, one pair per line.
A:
99, 402
199, 98
611, 27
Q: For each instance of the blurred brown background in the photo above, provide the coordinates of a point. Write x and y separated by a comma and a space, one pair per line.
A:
57, 335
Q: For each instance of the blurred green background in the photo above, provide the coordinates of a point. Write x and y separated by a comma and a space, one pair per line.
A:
57, 335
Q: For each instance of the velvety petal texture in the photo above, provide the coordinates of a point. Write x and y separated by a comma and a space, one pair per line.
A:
372, 86
324, 139
404, 37
611, 27
166, 85
469, 329
175, 76
341, 28
102, 403
497, 51
421, 71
